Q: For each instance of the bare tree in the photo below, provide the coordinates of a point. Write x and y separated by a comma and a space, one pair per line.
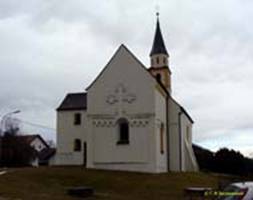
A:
15, 151
11, 126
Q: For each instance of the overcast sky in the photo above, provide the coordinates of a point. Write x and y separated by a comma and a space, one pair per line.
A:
51, 47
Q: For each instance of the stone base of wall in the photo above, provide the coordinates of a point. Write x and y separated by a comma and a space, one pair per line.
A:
135, 167
75, 158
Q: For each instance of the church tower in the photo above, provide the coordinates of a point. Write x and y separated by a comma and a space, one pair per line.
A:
159, 59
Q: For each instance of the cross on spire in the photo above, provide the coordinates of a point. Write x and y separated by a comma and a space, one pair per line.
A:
157, 15
157, 8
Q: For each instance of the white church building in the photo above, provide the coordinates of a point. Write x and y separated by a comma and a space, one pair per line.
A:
127, 118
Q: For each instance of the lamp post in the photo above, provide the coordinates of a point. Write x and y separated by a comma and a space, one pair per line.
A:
2, 123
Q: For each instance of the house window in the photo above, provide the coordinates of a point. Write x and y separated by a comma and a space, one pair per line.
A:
158, 77
162, 138
77, 145
123, 131
164, 60
77, 119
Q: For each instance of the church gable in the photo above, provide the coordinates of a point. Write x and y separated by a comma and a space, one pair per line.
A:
122, 56
121, 106
123, 74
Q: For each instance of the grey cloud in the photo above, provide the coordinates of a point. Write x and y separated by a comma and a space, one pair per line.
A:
49, 48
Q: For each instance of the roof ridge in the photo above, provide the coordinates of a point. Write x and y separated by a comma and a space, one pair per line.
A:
76, 93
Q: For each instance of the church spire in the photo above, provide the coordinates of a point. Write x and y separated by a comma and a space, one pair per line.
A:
159, 59
158, 44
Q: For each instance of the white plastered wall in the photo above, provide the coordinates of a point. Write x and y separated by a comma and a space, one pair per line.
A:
123, 78
189, 162
160, 118
181, 155
67, 132
174, 138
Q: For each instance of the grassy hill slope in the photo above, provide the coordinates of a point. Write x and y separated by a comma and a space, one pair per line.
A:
51, 183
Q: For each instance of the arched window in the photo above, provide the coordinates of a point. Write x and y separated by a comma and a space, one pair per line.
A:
77, 145
123, 131
157, 60
164, 60
158, 77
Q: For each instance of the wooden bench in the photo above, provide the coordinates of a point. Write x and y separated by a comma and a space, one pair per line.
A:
81, 191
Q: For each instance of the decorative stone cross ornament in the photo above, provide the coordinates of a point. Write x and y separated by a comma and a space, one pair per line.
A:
120, 96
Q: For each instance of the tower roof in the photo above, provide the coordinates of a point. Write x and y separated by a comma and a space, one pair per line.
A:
158, 44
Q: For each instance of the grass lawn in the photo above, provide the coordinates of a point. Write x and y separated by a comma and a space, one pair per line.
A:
51, 183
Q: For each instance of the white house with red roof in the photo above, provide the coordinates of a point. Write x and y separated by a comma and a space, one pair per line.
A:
44, 154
